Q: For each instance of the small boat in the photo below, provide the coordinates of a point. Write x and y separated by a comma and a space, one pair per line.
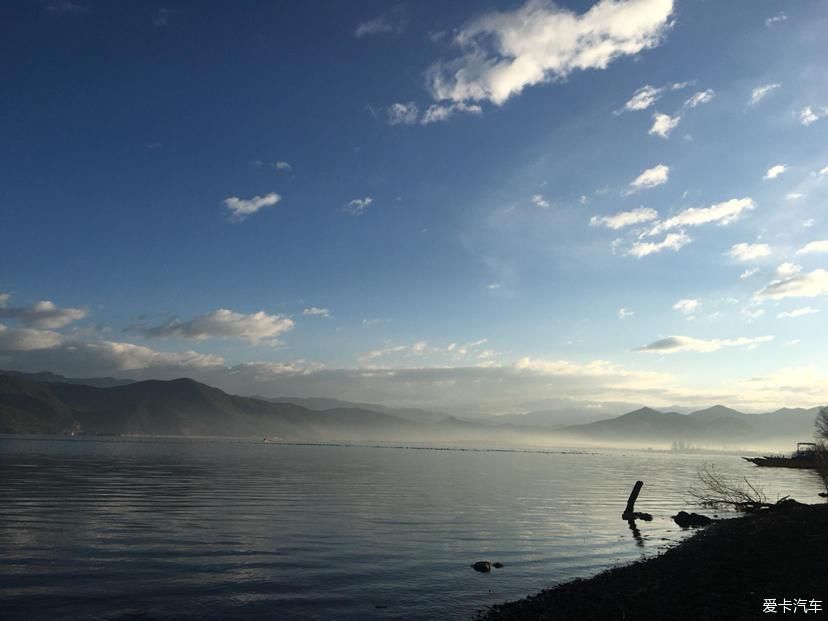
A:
804, 457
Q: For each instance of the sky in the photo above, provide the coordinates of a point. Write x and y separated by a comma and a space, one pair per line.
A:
473, 204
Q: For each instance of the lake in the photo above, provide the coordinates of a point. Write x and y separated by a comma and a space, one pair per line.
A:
115, 528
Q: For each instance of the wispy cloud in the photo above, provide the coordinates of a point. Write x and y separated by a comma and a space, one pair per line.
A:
801, 285
774, 171
391, 22
722, 214
357, 206
624, 313
748, 252
650, 178
678, 344
814, 247
539, 201
663, 124
702, 97
673, 241
760, 92
241, 208
797, 312
625, 218
255, 328
687, 306
507, 51
776, 19
809, 115
403, 113
313, 311
43, 314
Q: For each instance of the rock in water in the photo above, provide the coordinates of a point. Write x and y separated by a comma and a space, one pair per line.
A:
497, 565
685, 519
482, 566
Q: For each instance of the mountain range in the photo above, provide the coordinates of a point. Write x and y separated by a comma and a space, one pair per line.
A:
53, 404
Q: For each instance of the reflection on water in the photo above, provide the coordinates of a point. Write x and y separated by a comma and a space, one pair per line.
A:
216, 529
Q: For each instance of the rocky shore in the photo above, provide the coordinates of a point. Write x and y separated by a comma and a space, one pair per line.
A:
727, 571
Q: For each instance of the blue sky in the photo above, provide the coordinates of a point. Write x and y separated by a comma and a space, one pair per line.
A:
463, 202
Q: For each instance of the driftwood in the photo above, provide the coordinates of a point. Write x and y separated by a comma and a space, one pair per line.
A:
630, 513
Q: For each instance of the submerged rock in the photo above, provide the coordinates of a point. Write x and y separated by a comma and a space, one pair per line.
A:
482, 566
685, 519
497, 565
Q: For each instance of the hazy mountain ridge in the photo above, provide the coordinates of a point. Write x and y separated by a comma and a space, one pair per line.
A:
186, 407
714, 424
47, 376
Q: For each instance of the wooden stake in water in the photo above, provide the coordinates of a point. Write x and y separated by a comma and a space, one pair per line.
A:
629, 512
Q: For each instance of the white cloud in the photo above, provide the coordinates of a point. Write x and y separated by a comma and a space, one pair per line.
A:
357, 206
814, 247
313, 311
722, 214
283, 165
749, 272
823, 172
776, 19
760, 92
775, 171
673, 241
240, 208
808, 115
643, 98
43, 314
652, 177
504, 52
539, 201
392, 21
748, 252
788, 269
806, 224
403, 113
27, 339
807, 285
702, 97
443, 112
625, 218
623, 313
798, 312
254, 328
677, 344
792, 196
687, 306
663, 124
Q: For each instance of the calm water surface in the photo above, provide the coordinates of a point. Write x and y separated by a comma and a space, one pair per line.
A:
195, 529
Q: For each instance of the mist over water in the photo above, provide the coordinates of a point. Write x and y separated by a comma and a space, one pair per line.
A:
112, 528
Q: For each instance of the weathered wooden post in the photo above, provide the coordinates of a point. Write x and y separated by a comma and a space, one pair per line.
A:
629, 512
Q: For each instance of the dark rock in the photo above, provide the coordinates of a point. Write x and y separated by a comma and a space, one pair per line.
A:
685, 519
482, 566
497, 565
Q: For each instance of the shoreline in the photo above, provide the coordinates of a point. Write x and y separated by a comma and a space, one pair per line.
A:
725, 571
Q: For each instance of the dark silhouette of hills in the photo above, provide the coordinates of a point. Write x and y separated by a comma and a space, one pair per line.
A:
177, 407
